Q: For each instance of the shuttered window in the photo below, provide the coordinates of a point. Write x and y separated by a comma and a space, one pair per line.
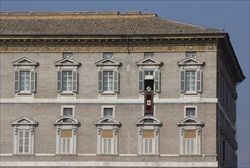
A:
150, 79
191, 81
108, 81
67, 81
25, 80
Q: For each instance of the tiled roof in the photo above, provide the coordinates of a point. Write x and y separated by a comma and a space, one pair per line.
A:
94, 24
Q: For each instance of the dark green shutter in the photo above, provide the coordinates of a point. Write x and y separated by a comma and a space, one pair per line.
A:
17, 80
141, 81
182, 81
100, 81
32, 81
59, 81
74, 73
199, 80
157, 81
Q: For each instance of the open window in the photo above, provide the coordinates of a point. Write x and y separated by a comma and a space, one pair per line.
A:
149, 75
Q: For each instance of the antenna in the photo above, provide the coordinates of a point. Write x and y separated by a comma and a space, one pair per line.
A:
225, 25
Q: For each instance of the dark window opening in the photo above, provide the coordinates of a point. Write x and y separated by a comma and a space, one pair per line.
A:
148, 83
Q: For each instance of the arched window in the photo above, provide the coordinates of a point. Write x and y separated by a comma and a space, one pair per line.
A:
148, 135
66, 135
107, 135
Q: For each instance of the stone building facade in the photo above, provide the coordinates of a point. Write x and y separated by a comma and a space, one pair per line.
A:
73, 88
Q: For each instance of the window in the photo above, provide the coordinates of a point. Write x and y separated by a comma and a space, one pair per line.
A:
108, 81
23, 141
24, 135
148, 55
108, 76
191, 75
67, 111
68, 55
190, 82
148, 135
66, 140
25, 80
148, 141
190, 142
107, 135
25, 76
107, 142
190, 54
66, 135
190, 136
108, 55
149, 79
107, 112
67, 76
67, 80
149, 74
190, 111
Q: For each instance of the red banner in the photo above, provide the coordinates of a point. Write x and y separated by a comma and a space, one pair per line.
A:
148, 103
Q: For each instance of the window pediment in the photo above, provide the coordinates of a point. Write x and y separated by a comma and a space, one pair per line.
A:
24, 121
148, 120
107, 121
67, 120
108, 62
149, 62
191, 62
190, 121
25, 62
67, 62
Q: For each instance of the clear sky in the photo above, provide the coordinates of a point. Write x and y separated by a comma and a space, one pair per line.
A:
230, 15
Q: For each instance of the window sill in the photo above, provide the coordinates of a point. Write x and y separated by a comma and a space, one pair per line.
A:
67, 93
190, 93
108, 93
24, 93
23, 154
190, 155
112, 154
66, 154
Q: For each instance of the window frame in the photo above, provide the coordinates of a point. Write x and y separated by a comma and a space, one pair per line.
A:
71, 55
191, 52
108, 53
144, 125
22, 65
186, 107
68, 106
148, 55
108, 123
70, 124
191, 123
108, 106
24, 124
75, 80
